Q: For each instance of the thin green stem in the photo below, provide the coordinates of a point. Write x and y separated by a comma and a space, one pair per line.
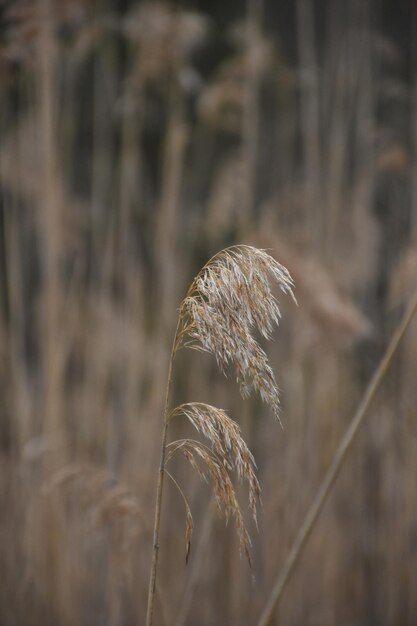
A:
333, 471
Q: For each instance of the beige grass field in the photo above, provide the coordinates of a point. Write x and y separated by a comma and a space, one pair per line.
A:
137, 140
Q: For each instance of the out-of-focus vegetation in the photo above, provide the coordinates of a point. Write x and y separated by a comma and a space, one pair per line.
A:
138, 138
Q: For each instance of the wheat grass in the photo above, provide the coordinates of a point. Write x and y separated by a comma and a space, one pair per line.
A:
227, 442
229, 300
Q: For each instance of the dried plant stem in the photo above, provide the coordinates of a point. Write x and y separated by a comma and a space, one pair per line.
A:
229, 297
155, 548
159, 491
310, 113
251, 113
333, 471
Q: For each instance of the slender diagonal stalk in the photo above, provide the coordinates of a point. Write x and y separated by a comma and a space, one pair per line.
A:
333, 471
159, 490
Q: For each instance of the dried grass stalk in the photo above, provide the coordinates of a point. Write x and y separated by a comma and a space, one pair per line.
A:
228, 301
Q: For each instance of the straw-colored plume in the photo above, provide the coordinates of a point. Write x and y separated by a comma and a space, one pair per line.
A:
226, 441
224, 492
229, 299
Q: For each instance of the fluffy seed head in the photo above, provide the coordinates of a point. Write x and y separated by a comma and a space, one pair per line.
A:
226, 441
229, 299
224, 492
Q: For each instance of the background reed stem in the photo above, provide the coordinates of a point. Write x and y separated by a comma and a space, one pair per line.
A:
335, 466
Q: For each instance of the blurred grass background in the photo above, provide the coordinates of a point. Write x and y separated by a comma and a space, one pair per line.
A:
137, 139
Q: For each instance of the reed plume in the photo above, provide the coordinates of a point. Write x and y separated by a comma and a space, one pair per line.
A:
229, 300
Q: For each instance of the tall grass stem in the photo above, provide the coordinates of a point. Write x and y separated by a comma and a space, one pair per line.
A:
159, 491
335, 466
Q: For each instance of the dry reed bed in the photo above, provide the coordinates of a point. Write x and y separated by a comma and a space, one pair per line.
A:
124, 163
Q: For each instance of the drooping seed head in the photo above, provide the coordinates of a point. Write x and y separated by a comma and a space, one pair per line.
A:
224, 492
227, 442
229, 299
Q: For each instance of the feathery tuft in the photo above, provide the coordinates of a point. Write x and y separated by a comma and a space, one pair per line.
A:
224, 491
227, 442
229, 299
